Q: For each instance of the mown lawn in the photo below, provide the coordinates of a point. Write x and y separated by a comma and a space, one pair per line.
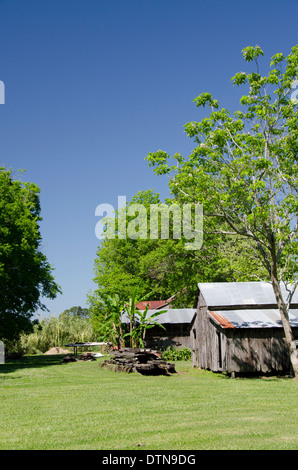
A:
49, 405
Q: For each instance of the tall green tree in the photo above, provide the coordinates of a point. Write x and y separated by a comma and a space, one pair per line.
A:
25, 273
244, 171
76, 311
118, 266
164, 267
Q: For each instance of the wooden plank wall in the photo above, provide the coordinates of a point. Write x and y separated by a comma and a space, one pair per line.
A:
176, 335
255, 350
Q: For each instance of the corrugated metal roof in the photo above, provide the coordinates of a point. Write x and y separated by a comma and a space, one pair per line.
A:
221, 320
252, 318
171, 315
225, 294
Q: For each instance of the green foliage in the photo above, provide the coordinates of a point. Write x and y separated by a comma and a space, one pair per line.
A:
25, 274
122, 265
164, 267
244, 167
76, 312
140, 323
252, 53
106, 311
176, 354
107, 319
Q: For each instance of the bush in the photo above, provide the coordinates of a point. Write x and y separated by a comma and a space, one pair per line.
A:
176, 354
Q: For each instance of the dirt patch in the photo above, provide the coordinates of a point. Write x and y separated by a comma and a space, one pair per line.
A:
55, 350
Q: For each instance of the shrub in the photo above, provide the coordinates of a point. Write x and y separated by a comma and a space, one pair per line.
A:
176, 354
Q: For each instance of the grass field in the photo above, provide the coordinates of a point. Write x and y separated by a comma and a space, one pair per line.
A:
49, 405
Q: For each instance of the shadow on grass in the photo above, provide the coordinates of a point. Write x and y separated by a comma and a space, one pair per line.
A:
38, 361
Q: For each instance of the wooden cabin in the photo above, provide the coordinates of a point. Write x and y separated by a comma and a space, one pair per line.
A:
237, 329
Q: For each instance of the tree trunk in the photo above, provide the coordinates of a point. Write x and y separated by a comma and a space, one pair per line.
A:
121, 340
290, 339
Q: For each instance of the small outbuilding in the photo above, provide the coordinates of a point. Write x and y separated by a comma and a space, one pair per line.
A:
176, 328
237, 329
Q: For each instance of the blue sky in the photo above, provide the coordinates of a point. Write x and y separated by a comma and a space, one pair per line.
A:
92, 86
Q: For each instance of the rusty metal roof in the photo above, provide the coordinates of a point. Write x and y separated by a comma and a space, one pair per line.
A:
221, 320
252, 318
153, 304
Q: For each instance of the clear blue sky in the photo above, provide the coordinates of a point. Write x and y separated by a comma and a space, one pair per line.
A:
92, 86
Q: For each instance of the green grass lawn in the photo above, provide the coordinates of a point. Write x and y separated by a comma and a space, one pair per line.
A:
49, 405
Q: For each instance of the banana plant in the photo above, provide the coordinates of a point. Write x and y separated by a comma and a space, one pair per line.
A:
111, 328
141, 324
145, 323
133, 314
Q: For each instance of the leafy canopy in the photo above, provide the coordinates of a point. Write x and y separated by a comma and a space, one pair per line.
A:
164, 267
25, 274
244, 166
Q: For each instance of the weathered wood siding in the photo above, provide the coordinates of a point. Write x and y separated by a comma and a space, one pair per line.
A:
202, 338
176, 335
251, 350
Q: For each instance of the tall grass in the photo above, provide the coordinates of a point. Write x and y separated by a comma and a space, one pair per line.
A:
56, 332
